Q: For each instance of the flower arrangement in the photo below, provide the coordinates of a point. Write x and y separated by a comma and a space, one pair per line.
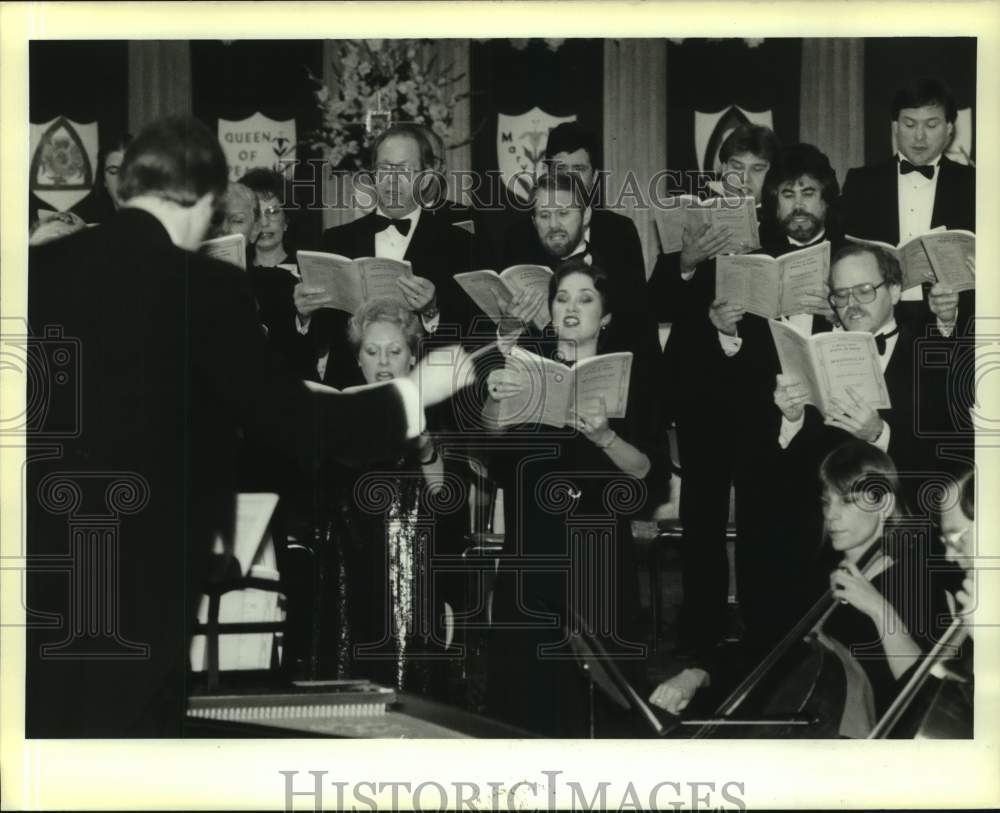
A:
379, 83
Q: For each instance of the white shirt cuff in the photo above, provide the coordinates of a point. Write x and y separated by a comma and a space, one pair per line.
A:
882, 441
730, 344
789, 429
302, 323
411, 405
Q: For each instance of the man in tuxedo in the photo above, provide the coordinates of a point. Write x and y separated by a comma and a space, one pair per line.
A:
919, 189
698, 387
172, 365
571, 150
865, 285
399, 228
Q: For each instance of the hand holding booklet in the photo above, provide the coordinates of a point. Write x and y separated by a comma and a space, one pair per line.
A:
349, 282
829, 363
938, 256
230, 248
493, 292
769, 286
738, 214
552, 392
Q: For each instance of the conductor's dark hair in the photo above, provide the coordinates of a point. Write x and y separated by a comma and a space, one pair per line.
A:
794, 161
862, 473
571, 136
888, 266
412, 131
751, 138
175, 158
925, 92
578, 265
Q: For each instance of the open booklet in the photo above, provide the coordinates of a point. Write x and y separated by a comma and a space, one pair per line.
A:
350, 282
230, 248
254, 550
829, 363
769, 286
553, 391
938, 256
492, 292
738, 214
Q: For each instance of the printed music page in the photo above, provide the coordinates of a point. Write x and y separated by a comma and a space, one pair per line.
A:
752, 280
334, 274
850, 359
606, 376
947, 252
380, 277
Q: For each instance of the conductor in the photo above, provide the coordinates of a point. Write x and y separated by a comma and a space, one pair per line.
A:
130, 484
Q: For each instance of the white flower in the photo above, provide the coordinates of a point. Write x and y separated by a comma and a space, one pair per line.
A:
364, 68
375, 45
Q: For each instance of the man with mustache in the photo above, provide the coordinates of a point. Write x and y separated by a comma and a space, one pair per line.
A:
865, 289
918, 189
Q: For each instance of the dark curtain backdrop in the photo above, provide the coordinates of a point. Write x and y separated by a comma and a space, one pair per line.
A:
511, 81
709, 76
891, 62
233, 81
85, 81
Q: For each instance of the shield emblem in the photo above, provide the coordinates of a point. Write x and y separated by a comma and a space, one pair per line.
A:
63, 161
711, 129
521, 144
257, 141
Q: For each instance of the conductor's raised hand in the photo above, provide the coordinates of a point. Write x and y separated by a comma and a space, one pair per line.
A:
700, 244
790, 396
309, 300
441, 373
725, 315
417, 291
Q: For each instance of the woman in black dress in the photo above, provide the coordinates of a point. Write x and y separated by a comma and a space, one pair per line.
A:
567, 564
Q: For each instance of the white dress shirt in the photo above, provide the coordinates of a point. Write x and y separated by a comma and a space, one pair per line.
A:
916, 208
789, 429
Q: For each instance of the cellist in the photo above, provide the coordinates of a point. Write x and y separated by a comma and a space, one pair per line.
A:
887, 615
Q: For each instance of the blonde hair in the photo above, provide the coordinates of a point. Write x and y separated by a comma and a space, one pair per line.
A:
385, 310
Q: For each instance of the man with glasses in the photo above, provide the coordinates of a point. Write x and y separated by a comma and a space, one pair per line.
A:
865, 287
399, 228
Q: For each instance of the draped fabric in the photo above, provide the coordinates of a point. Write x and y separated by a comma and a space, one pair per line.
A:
832, 101
159, 80
634, 92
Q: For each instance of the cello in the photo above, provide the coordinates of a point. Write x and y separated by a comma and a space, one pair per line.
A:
808, 686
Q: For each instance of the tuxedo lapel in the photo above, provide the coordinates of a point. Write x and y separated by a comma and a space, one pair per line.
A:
944, 195
887, 202
365, 246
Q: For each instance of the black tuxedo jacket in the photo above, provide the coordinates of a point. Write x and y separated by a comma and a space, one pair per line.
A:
614, 245
870, 200
437, 251
167, 365
870, 206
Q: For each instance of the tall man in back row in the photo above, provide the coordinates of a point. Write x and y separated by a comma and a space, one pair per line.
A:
919, 189
124, 505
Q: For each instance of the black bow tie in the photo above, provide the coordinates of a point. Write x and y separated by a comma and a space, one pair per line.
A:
882, 338
905, 168
401, 223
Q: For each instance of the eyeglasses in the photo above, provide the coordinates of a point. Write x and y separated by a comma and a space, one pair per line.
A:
271, 211
863, 294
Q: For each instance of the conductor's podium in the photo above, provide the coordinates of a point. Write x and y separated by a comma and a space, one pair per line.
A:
346, 708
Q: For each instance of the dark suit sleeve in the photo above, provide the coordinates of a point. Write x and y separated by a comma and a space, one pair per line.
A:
231, 359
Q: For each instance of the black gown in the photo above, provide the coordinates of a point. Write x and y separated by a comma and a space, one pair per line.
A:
568, 559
